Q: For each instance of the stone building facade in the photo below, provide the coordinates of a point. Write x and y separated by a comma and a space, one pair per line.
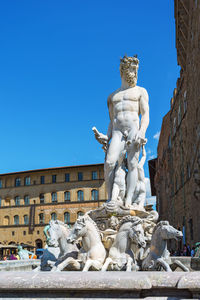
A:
30, 199
177, 178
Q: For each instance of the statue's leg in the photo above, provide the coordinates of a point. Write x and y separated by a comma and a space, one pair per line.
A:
65, 263
132, 177
87, 265
181, 265
106, 264
115, 192
116, 147
163, 263
51, 263
129, 264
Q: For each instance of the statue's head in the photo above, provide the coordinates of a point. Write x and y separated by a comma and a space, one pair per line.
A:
129, 68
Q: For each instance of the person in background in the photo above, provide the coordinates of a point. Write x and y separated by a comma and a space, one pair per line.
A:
12, 256
193, 251
184, 250
188, 250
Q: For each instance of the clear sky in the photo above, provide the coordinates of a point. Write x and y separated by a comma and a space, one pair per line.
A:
59, 60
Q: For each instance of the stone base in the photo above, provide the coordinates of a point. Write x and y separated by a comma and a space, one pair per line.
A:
19, 265
102, 215
99, 285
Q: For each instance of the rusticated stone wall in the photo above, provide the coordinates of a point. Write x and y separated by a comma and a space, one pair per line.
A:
178, 165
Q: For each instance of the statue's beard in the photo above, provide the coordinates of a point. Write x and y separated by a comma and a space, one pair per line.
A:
130, 78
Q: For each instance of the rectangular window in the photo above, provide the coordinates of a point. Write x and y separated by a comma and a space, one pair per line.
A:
67, 196
26, 221
26, 200
41, 218
0, 183
80, 176
94, 175
27, 180
42, 180
41, 198
17, 200
67, 177
17, 182
53, 178
54, 197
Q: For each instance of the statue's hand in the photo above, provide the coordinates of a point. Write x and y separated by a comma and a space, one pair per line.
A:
100, 137
140, 139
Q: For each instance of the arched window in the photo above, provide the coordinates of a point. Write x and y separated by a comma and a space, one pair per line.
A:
6, 220
53, 216
16, 220
41, 198
17, 200
67, 217
95, 195
80, 195
41, 218
26, 200
67, 196
54, 197
80, 213
26, 219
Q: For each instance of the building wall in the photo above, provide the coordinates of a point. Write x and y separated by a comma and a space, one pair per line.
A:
178, 172
33, 231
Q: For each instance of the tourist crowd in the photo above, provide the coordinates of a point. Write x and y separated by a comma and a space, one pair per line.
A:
187, 251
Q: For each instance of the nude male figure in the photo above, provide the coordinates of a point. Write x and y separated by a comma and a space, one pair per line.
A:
126, 131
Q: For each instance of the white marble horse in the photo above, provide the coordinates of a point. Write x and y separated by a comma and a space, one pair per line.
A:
120, 255
86, 228
58, 234
158, 256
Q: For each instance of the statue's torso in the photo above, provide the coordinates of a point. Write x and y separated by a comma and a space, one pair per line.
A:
126, 109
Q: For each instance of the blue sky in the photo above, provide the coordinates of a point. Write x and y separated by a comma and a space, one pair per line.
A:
59, 60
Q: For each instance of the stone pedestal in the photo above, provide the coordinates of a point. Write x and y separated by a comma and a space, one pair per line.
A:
98, 285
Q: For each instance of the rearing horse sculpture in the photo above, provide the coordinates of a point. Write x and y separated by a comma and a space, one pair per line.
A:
158, 256
58, 234
130, 232
86, 228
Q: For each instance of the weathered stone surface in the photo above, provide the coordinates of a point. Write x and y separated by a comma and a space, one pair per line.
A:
190, 281
19, 265
164, 279
74, 280
93, 285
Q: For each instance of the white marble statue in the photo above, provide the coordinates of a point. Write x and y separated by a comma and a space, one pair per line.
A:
139, 195
87, 229
159, 256
24, 254
120, 255
59, 249
126, 132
